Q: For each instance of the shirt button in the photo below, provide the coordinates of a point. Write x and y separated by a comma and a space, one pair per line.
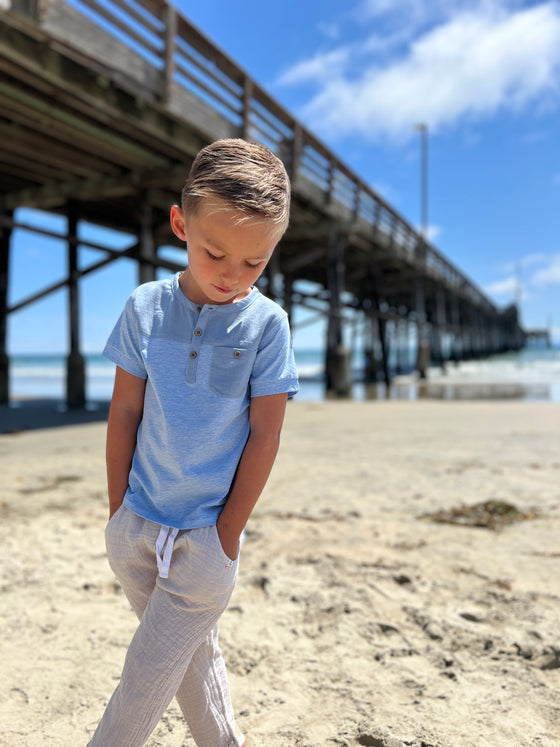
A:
199, 309
198, 332
237, 354
193, 354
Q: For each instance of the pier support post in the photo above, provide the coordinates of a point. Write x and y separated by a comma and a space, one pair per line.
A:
423, 346
378, 332
456, 352
423, 352
5, 236
435, 347
383, 339
402, 345
475, 339
146, 244
338, 358
370, 358
273, 276
495, 332
441, 324
467, 340
289, 297
75, 365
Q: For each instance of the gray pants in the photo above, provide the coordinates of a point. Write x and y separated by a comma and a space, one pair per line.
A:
174, 651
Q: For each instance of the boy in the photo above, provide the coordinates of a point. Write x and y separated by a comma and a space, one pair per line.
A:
204, 369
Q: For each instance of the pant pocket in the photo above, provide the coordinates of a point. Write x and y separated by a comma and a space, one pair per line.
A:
114, 516
200, 570
117, 541
220, 550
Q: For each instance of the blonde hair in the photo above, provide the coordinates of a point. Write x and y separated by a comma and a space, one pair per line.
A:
248, 177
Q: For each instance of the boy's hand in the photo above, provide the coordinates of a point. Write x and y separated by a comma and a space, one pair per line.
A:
265, 417
228, 540
113, 510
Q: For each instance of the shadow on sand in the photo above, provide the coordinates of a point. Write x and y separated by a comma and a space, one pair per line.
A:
34, 414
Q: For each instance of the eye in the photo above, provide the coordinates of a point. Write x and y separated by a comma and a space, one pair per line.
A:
253, 266
212, 256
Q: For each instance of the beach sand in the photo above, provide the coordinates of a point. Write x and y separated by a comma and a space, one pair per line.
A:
354, 621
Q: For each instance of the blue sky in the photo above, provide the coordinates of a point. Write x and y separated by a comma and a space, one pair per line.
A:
485, 78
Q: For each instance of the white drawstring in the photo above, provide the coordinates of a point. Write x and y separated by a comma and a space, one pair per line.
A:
165, 539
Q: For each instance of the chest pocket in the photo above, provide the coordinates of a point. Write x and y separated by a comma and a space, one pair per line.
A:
230, 371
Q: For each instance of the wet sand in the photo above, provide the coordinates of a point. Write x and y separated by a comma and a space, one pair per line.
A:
354, 622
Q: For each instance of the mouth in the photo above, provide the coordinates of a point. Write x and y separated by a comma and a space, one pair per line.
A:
225, 291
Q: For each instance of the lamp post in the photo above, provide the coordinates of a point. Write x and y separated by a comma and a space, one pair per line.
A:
422, 128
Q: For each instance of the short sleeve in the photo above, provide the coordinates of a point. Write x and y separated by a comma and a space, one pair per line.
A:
274, 370
123, 346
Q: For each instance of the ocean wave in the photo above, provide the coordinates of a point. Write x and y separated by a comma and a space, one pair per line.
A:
534, 374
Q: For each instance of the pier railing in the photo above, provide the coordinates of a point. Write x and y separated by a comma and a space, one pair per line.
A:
170, 54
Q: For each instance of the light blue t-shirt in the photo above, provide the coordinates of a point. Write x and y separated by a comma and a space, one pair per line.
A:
202, 366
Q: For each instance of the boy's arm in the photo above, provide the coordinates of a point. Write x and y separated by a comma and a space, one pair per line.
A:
125, 415
266, 418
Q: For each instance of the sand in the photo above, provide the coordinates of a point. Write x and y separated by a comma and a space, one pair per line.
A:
354, 622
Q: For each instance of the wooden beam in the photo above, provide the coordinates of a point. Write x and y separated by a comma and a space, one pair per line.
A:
170, 21
24, 140
41, 168
293, 264
53, 195
73, 126
121, 184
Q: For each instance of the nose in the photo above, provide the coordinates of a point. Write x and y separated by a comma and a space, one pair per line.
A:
230, 273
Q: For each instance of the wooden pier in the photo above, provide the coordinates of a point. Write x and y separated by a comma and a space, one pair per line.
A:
538, 338
102, 109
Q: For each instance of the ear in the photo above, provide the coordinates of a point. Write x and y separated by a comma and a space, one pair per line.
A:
177, 220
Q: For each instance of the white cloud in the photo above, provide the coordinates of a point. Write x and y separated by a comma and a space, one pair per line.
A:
434, 232
520, 265
468, 66
529, 283
416, 9
431, 11
329, 30
508, 291
387, 42
547, 275
505, 287
320, 68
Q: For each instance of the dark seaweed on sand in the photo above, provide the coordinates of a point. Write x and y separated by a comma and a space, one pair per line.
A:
491, 514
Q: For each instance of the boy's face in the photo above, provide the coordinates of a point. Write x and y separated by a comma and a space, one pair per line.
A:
225, 257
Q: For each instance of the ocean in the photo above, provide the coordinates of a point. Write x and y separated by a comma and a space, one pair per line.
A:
532, 375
